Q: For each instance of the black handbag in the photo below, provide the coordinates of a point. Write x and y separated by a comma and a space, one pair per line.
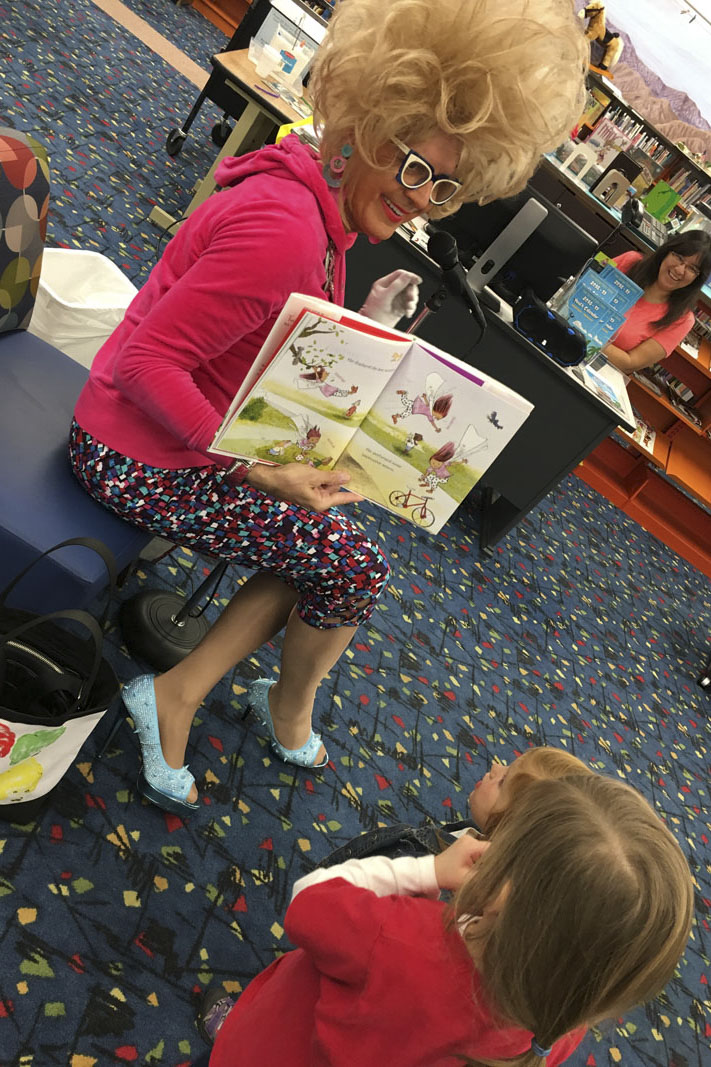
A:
55, 686
397, 840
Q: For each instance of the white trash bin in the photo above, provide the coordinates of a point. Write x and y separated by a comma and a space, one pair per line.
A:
81, 298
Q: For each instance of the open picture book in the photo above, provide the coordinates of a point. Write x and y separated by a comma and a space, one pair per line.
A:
413, 426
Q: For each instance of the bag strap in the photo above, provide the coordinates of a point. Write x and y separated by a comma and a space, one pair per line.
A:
84, 542
97, 637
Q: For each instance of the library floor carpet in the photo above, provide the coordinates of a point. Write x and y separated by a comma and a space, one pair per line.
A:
582, 631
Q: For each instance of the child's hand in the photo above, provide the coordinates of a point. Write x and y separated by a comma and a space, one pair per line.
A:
454, 865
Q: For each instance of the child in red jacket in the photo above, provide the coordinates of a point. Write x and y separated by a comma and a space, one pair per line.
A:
578, 909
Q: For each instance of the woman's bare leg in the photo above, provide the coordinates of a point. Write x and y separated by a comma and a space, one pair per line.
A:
255, 614
308, 654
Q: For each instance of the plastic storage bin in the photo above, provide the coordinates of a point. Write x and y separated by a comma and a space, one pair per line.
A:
81, 298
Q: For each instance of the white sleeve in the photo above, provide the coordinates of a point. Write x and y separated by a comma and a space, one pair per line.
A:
405, 876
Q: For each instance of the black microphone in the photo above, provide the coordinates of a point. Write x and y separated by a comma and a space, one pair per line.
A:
442, 248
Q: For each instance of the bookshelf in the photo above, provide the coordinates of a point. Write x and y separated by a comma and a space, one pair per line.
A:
665, 483
608, 117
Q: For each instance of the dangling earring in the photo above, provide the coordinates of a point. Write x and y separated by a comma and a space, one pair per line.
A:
333, 170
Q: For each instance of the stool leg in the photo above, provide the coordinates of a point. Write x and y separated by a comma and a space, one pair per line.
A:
116, 726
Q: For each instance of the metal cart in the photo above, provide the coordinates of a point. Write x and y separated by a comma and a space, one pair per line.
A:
217, 87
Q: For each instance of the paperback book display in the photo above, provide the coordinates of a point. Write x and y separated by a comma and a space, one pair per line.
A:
597, 301
414, 427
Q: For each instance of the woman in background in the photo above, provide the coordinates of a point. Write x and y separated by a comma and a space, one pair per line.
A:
671, 278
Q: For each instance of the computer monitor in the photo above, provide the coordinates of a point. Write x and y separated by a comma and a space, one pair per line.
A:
556, 249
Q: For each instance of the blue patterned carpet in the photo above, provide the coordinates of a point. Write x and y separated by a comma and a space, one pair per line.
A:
583, 631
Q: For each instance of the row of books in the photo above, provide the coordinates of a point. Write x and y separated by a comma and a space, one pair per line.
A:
686, 188
702, 325
677, 393
689, 187
638, 133
629, 131
661, 381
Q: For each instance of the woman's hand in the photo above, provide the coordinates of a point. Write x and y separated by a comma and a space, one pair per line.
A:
454, 865
645, 354
298, 483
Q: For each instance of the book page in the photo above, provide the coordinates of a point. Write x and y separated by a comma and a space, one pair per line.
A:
297, 305
435, 428
611, 388
314, 393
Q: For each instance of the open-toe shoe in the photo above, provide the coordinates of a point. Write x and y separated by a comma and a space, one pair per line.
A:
258, 702
168, 787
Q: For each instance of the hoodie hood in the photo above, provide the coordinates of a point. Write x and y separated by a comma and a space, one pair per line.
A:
295, 161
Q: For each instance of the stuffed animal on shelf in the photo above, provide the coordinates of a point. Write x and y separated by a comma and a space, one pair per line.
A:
608, 45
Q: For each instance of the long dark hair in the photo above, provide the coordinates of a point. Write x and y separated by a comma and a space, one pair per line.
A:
646, 271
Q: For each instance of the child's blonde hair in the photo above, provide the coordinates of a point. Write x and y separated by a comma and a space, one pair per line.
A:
533, 765
592, 902
506, 77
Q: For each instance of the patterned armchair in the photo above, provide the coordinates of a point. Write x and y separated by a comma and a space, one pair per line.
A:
24, 173
41, 504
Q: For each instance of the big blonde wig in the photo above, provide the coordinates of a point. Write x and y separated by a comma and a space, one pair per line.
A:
505, 77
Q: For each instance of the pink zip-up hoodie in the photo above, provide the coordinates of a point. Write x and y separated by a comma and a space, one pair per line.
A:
162, 382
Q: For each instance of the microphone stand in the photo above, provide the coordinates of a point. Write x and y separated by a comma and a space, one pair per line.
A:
431, 306
443, 250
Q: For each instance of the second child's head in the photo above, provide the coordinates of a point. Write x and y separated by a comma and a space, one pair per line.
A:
585, 902
492, 795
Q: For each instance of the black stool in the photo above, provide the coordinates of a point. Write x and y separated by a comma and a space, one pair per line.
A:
163, 627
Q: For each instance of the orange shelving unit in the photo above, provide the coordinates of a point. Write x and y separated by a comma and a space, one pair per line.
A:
667, 488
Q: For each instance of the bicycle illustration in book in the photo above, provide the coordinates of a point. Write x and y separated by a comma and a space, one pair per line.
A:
439, 471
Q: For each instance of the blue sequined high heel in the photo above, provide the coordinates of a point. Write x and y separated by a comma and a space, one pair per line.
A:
258, 702
165, 786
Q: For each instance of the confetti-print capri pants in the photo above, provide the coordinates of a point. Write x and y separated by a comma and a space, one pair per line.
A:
338, 573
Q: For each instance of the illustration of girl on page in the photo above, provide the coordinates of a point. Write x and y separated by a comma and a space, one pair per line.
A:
438, 471
317, 378
309, 437
430, 405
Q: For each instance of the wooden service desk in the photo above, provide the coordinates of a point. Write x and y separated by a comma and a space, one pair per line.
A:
237, 85
568, 420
